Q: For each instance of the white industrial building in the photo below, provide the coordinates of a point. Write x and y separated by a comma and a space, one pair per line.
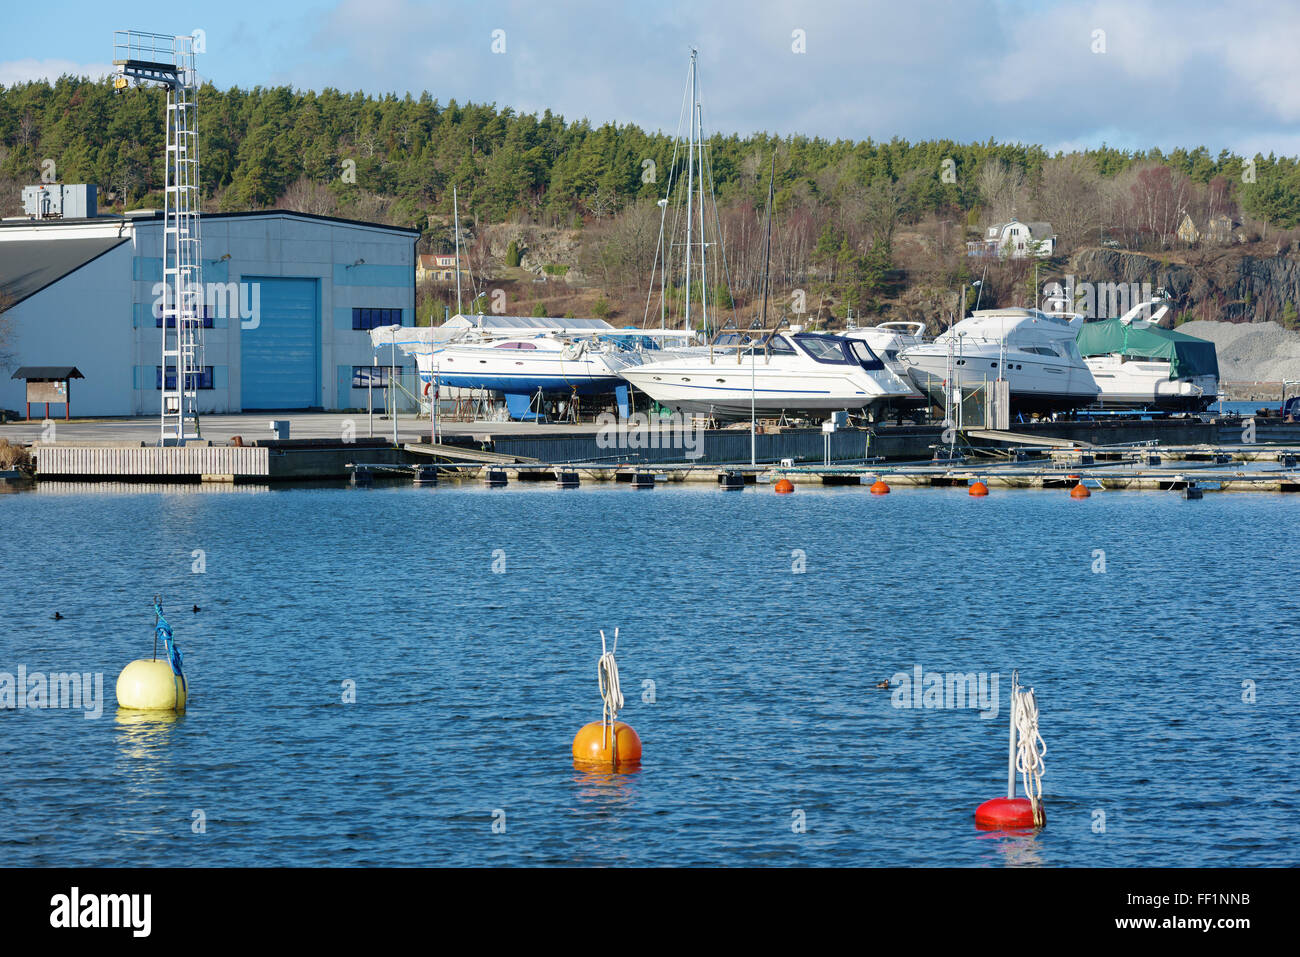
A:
291, 299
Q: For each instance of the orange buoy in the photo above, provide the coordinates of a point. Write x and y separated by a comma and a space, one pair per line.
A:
595, 747
784, 487
880, 488
978, 488
1000, 814
1080, 491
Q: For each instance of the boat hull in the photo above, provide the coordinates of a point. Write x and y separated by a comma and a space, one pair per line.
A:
548, 375
769, 396
1026, 403
1147, 385
1033, 386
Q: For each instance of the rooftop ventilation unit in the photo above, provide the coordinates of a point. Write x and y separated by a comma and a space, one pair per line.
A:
57, 201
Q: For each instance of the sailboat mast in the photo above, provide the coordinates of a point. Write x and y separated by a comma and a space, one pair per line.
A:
753, 348
690, 182
455, 211
704, 272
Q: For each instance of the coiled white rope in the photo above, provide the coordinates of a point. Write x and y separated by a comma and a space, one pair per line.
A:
610, 692
1030, 747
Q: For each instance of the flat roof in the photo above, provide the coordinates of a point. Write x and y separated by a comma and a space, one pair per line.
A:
146, 216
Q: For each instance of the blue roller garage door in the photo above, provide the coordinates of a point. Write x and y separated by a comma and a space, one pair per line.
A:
280, 359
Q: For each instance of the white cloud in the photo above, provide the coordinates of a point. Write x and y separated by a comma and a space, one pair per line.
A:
1184, 73
13, 72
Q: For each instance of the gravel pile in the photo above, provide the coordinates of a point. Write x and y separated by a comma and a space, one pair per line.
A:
1251, 351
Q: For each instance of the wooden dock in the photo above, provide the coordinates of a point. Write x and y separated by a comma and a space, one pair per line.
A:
248, 461
204, 462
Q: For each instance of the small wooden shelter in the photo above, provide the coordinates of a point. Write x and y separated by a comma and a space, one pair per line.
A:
49, 384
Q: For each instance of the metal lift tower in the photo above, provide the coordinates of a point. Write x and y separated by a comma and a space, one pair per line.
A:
169, 60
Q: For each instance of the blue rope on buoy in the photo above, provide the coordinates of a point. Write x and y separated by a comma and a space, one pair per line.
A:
164, 631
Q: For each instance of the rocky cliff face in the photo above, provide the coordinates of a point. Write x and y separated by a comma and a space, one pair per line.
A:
1222, 285
539, 247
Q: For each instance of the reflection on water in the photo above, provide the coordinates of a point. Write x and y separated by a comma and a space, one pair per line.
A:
144, 735
53, 487
1016, 848
606, 788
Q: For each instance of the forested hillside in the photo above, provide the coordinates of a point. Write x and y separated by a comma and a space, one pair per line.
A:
864, 225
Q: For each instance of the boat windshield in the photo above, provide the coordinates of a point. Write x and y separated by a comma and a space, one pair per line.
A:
730, 338
824, 348
866, 358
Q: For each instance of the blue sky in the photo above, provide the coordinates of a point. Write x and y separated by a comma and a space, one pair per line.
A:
1131, 73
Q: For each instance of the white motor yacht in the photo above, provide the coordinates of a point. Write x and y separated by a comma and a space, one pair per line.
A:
813, 374
1139, 365
1034, 351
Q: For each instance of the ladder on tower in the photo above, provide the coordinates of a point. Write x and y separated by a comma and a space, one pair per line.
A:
169, 60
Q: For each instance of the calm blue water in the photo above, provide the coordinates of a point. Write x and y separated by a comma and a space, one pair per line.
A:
471, 684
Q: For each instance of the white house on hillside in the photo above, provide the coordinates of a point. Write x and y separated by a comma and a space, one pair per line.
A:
1015, 240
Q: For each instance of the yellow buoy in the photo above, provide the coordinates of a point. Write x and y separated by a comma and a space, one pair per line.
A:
151, 685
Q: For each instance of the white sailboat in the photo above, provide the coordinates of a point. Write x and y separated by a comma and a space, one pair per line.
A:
522, 356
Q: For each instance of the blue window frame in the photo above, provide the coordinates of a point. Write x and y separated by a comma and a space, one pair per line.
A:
367, 319
366, 377
198, 380
171, 320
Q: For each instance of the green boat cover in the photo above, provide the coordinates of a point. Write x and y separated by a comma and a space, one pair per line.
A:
1188, 356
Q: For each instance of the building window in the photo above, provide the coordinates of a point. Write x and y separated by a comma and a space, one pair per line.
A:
365, 377
171, 320
198, 380
367, 319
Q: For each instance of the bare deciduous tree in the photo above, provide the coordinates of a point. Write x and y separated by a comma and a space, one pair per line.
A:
1158, 200
1069, 197
602, 202
884, 205
308, 196
370, 207
1002, 187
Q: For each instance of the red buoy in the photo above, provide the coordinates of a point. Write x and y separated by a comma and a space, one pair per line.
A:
1080, 491
880, 488
1001, 814
978, 488
783, 487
